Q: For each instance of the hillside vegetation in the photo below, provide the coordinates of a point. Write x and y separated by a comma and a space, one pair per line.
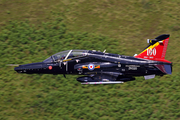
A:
31, 31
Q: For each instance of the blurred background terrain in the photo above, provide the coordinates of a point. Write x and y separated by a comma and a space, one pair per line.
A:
33, 30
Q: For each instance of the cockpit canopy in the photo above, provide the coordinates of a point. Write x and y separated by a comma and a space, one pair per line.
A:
66, 55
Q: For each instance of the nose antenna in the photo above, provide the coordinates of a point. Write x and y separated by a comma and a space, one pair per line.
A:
12, 64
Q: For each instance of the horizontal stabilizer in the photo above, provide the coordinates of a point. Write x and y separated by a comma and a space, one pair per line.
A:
167, 69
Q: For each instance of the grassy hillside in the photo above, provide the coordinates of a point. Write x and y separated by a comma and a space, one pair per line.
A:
31, 31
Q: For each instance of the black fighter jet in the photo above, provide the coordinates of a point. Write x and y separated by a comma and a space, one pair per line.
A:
106, 68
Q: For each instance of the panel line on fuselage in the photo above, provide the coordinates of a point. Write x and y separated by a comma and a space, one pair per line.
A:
125, 59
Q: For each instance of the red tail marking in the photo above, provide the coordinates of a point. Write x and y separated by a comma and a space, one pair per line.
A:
155, 52
164, 48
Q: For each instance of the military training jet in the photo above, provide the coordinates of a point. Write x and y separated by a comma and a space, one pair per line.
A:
106, 68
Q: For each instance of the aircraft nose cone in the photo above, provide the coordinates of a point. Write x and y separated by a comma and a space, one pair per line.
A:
28, 68
19, 69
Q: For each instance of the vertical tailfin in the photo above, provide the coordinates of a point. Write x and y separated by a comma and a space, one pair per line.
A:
156, 50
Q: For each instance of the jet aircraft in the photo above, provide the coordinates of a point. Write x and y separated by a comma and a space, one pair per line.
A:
105, 68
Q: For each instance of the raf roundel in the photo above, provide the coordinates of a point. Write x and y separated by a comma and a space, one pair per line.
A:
50, 67
91, 66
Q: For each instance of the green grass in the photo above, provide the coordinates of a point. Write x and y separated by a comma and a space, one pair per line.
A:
31, 31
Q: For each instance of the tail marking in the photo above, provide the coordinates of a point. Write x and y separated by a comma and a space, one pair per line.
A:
156, 50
